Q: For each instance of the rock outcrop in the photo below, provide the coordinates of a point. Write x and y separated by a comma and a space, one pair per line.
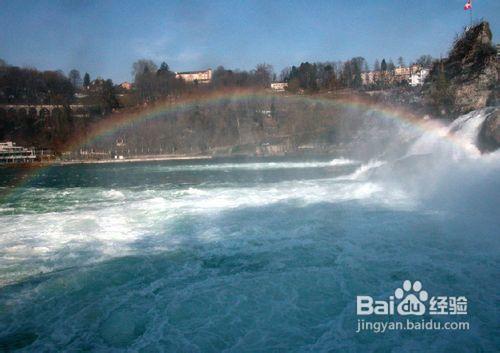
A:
468, 79
489, 135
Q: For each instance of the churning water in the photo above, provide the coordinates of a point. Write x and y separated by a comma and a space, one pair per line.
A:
250, 255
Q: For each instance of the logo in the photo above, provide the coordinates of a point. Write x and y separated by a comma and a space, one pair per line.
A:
410, 300
412, 304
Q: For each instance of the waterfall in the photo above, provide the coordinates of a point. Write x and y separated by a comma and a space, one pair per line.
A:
456, 140
442, 163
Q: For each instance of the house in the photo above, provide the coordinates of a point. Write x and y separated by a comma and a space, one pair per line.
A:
96, 85
80, 95
195, 76
126, 86
370, 77
415, 68
279, 86
418, 78
402, 74
374, 77
402, 71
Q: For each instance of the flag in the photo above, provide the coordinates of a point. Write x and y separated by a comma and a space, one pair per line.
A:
468, 5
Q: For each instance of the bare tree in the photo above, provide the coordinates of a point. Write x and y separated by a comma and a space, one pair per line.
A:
75, 78
263, 75
425, 61
143, 66
144, 72
390, 65
285, 74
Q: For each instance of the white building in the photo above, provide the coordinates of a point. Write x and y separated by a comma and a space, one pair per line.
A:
369, 77
279, 86
418, 78
198, 76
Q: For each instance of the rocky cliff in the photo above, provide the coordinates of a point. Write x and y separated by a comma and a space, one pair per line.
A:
468, 78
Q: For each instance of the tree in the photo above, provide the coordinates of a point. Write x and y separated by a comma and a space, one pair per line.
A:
75, 78
58, 89
260, 77
285, 74
3, 63
425, 61
351, 73
143, 66
263, 75
383, 66
357, 65
376, 65
439, 92
401, 62
390, 65
34, 87
306, 77
108, 98
164, 67
366, 67
329, 77
220, 77
86, 80
144, 72
166, 82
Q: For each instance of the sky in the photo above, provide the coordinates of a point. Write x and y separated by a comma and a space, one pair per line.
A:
105, 37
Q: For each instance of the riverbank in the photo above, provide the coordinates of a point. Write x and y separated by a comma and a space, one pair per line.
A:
38, 164
135, 159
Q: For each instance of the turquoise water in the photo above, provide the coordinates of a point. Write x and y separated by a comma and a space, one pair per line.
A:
255, 255
242, 255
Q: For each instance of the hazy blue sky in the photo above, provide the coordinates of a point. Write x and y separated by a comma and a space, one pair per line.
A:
106, 37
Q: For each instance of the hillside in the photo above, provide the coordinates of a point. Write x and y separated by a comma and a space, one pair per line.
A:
468, 78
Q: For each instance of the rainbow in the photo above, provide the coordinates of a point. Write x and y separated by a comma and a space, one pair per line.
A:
128, 119
135, 116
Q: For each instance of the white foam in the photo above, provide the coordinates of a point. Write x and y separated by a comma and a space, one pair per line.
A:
258, 165
362, 170
113, 194
120, 219
342, 161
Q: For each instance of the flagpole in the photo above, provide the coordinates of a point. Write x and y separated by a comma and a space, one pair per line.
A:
468, 7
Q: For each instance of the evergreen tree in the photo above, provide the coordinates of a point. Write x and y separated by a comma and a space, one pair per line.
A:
108, 99
86, 80
383, 66
164, 67
440, 94
357, 65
